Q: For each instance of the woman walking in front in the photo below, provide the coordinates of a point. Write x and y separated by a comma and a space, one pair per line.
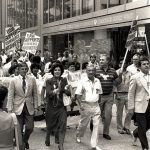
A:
56, 114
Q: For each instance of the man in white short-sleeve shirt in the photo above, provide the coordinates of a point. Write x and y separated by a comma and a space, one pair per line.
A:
88, 94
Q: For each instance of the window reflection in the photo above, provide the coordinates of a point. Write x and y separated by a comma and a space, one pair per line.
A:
58, 10
45, 11
51, 10
87, 6
67, 6
75, 7
22, 12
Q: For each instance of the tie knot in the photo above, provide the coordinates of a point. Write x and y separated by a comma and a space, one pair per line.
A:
23, 78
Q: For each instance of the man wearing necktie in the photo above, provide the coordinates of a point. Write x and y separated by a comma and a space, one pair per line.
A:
23, 100
138, 102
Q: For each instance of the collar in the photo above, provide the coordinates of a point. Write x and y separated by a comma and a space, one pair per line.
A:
22, 77
87, 79
144, 74
103, 68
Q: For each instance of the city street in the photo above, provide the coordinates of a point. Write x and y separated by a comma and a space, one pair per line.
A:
118, 142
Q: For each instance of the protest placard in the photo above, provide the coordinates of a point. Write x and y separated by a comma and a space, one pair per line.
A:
12, 39
31, 42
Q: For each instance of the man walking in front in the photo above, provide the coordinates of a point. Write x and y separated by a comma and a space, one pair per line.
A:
23, 101
88, 93
138, 101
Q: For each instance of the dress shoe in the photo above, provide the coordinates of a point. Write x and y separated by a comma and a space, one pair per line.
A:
47, 143
96, 148
78, 139
127, 131
106, 137
121, 131
27, 145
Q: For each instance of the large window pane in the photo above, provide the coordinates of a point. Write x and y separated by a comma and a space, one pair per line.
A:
87, 6
75, 7
35, 12
51, 10
58, 10
22, 12
45, 11
67, 8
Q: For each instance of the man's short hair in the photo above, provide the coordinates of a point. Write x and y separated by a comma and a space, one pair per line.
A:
144, 58
92, 55
22, 64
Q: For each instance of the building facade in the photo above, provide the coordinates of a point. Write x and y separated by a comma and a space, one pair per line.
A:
86, 26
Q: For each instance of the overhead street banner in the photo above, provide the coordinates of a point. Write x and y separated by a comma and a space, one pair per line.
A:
12, 38
31, 42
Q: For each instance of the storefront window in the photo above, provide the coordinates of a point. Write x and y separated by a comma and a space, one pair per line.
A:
87, 6
75, 8
67, 6
58, 10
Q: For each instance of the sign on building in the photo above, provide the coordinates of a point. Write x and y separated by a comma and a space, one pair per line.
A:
31, 42
12, 39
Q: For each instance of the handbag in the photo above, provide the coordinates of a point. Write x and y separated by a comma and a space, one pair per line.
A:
66, 100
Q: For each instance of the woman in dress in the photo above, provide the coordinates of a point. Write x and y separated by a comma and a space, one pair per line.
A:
56, 113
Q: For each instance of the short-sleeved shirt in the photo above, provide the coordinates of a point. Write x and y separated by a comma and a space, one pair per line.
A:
89, 90
107, 79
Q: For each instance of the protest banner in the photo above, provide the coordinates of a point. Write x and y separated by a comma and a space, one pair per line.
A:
131, 36
30, 43
12, 39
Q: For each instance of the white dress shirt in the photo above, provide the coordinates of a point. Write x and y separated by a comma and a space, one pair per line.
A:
89, 90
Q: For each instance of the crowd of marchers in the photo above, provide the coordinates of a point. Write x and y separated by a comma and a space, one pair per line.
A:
30, 84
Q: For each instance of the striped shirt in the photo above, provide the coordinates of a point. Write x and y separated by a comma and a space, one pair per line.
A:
107, 79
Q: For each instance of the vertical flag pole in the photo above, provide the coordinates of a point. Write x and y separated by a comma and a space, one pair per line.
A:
125, 58
147, 45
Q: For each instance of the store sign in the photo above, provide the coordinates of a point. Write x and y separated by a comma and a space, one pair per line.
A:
31, 42
12, 38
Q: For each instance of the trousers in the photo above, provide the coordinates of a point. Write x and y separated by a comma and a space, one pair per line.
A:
121, 103
26, 119
143, 120
106, 111
89, 112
